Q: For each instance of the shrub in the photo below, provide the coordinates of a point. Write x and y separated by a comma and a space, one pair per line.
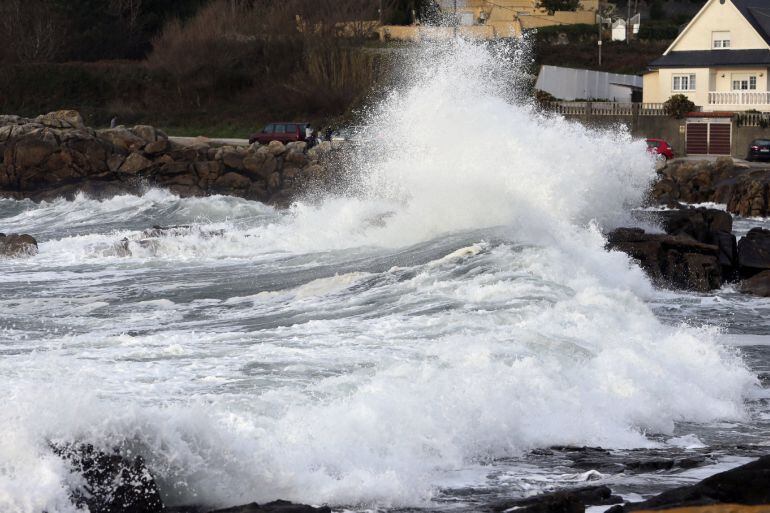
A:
678, 106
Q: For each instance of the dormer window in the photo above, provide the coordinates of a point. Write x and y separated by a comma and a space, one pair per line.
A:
720, 40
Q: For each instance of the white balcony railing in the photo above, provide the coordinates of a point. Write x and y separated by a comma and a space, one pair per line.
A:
739, 98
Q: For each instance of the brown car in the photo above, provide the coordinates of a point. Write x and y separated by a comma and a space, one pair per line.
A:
284, 132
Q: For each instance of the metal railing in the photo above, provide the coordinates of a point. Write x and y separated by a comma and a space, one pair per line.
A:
761, 119
607, 108
739, 98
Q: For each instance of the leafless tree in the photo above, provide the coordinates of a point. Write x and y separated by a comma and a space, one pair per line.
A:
30, 31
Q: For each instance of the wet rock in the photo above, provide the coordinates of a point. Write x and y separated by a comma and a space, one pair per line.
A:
111, 483
747, 485
671, 260
15, 245
274, 507
563, 501
706, 225
754, 252
757, 285
231, 181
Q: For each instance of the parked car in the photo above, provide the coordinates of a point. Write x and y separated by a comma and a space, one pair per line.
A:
285, 132
350, 134
759, 149
660, 147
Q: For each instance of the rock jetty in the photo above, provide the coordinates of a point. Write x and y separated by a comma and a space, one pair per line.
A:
57, 155
743, 189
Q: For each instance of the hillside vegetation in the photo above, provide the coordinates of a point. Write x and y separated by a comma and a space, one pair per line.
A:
223, 67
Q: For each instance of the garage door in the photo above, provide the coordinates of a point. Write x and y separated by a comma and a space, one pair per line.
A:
719, 138
697, 138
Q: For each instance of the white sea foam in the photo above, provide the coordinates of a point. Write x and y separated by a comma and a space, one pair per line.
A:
315, 355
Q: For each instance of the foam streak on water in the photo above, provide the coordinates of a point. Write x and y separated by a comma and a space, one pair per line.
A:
457, 310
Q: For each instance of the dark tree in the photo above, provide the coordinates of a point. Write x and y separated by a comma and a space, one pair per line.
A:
558, 5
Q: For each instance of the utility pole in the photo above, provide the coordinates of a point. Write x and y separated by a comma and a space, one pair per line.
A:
454, 21
628, 24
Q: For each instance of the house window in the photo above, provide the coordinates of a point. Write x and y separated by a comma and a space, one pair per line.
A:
684, 82
720, 40
744, 82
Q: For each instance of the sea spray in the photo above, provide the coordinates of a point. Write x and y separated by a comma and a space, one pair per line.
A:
458, 309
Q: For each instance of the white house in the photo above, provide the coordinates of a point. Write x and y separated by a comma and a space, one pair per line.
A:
720, 60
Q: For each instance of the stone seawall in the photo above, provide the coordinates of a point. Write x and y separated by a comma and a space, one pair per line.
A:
56, 155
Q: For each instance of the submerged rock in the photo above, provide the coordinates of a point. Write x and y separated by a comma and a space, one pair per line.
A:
15, 245
274, 507
745, 485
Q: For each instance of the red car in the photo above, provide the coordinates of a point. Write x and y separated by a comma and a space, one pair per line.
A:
660, 147
284, 132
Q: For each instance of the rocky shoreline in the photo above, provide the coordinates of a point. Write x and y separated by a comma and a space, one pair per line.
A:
113, 483
55, 155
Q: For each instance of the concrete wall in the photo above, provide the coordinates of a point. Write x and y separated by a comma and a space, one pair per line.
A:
672, 130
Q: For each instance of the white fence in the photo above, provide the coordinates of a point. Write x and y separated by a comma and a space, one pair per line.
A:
607, 109
739, 98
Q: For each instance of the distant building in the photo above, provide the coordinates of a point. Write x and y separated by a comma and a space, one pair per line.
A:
581, 84
492, 19
720, 61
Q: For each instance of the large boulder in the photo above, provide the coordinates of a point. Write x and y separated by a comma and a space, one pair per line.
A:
754, 252
670, 260
757, 285
274, 507
111, 483
62, 119
706, 225
34, 148
745, 485
15, 245
135, 163
260, 165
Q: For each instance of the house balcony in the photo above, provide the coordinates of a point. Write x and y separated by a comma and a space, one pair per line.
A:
739, 100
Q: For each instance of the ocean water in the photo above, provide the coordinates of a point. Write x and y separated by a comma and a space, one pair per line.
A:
417, 341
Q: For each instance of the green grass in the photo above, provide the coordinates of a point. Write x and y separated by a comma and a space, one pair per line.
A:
231, 129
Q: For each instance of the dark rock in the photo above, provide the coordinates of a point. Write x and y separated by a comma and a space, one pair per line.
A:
274, 507
230, 181
748, 485
754, 252
757, 285
671, 260
111, 483
563, 501
706, 225
57, 156
15, 245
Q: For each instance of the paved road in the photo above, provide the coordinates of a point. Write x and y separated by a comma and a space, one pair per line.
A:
712, 158
187, 141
